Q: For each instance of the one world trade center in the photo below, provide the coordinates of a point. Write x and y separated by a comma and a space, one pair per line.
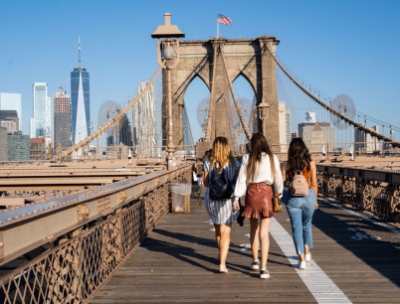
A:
80, 101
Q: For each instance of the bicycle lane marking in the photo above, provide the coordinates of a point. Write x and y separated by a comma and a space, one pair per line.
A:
323, 289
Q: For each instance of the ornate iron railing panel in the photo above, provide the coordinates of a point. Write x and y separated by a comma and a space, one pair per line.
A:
75, 269
375, 191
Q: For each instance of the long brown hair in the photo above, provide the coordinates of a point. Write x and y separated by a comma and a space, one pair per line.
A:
259, 144
298, 155
221, 153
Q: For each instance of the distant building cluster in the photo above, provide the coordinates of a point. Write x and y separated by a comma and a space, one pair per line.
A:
60, 121
364, 142
316, 133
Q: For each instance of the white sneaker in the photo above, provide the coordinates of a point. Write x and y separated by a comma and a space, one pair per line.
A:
308, 257
302, 265
255, 265
264, 274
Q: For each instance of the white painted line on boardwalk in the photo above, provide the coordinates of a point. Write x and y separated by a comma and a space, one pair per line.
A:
376, 222
245, 247
320, 285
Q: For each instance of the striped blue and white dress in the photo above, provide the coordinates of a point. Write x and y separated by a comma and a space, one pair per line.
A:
220, 211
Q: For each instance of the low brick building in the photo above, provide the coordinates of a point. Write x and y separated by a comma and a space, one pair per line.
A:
38, 148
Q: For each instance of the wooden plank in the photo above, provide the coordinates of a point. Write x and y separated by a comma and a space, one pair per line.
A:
178, 263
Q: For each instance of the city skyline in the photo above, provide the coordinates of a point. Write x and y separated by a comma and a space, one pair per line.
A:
333, 57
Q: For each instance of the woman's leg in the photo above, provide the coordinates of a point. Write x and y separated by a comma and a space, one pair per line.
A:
264, 237
295, 215
225, 232
254, 237
217, 228
307, 214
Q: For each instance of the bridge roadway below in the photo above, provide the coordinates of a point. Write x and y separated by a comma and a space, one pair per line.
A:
355, 260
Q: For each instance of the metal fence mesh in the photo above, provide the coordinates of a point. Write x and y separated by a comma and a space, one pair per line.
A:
380, 198
74, 270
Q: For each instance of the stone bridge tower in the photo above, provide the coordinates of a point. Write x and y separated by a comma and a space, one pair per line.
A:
227, 59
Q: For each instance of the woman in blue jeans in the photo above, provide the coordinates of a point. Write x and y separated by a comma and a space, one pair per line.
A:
301, 208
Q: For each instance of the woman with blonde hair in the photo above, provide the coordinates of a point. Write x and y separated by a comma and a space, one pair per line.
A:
221, 164
259, 177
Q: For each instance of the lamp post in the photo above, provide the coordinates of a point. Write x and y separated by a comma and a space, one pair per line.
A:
262, 110
263, 113
168, 58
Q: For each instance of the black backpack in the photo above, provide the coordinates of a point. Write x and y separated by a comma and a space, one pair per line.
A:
221, 187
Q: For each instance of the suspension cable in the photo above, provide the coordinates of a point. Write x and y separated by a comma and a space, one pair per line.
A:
210, 114
242, 120
110, 123
332, 110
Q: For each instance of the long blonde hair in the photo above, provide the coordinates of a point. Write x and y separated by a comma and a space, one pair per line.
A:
221, 153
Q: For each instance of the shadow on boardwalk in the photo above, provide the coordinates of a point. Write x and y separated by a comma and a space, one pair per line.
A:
187, 253
376, 246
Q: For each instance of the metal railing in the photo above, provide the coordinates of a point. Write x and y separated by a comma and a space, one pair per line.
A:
88, 252
110, 153
375, 191
370, 148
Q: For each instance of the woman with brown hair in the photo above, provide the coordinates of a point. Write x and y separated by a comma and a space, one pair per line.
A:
259, 177
301, 208
220, 210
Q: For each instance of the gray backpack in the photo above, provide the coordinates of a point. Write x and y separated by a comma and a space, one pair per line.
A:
299, 185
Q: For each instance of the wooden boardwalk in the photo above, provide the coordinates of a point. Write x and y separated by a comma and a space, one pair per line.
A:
354, 261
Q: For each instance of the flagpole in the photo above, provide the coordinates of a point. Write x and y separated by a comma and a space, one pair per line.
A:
217, 27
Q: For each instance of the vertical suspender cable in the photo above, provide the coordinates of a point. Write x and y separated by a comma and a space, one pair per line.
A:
373, 133
110, 123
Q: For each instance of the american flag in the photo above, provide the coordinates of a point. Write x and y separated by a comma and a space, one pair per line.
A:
223, 19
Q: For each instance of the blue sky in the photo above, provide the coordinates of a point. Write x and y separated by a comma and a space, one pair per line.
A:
339, 46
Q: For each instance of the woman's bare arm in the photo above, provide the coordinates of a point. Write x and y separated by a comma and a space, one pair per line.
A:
284, 169
314, 182
205, 178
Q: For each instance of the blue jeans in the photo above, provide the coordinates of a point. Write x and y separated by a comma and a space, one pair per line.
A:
301, 210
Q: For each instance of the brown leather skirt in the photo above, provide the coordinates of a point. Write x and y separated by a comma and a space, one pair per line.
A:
258, 201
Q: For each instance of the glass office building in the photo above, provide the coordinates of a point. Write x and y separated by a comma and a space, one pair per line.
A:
18, 147
12, 101
80, 104
40, 124
62, 120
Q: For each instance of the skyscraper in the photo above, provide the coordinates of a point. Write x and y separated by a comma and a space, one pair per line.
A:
80, 101
282, 126
41, 122
12, 101
62, 120
288, 126
10, 120
9, 125
285, 126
